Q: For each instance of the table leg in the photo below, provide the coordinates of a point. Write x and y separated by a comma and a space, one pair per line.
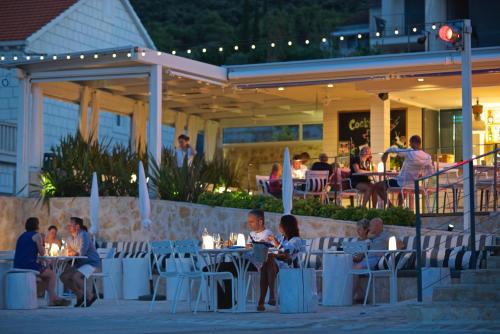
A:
241, 269
393, 293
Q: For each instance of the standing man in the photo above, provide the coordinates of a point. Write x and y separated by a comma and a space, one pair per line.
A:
184, 151
79, 243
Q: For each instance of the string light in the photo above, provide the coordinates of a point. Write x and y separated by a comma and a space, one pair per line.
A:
68, 57
28, 57
341, 38
129, 55
2, 58
273, 45
307, 41
290, 43
189, 51
14, 58
159, 53
54, 57
323, 39
359, 36
114, 55
174, 52
377, 34
396, 32
204, 50
82, 56
236, 48
96, 56
433, 27
221, 49
253, 46
414, 29
143, 53
42, 57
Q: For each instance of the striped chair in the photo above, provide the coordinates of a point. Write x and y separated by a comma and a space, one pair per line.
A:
263, 184
316, 184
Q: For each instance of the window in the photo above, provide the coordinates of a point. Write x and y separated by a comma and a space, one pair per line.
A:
261, 134
312, 132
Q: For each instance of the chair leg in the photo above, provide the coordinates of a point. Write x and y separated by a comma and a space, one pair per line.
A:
154, 293
367, 289
115, 291
84, 291
190, 283
373, 290
199, 296
94, 285
176, 295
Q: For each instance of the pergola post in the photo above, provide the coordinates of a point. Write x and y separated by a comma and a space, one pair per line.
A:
36, 132
380, 126
23, 142
139, 122
84, 112
195, 124
211, 135
94, 118
155, 112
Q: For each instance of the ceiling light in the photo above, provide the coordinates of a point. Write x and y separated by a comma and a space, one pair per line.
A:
2, 58
420, 79
54, 57
281, 88
341, 38
329, 85
14, 58
28, 57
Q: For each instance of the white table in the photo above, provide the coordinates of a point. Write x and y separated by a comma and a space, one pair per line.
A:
241, 263
59, 264
135, 277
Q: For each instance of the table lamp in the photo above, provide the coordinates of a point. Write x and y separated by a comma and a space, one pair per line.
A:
392, 243
208, 242
380, 167
240, 241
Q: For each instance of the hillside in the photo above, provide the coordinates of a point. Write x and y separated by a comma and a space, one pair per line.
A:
197, 24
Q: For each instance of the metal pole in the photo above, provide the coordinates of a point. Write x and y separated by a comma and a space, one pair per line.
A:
467, 118
419, 246
472, 216
495, 182
336, 186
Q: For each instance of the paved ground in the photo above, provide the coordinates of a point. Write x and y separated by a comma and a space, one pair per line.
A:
134, 317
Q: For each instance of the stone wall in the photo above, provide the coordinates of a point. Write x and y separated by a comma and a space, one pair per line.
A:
257, 159
120, 221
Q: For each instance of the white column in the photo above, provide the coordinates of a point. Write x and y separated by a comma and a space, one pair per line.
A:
36, 132
414, 121
155, 112
195, 125
139, 124
380, 126
23, 143
211, 133
330, 129
94, 118
393, 12
85, 97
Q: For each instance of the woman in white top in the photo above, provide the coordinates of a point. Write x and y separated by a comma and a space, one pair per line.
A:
289, 246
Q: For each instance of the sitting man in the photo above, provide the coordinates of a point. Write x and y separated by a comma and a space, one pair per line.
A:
80, 244
323, 164
416, 164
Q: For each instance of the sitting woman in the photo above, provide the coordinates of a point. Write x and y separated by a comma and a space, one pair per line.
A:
275, 180
28, 246
360, 164
289, 246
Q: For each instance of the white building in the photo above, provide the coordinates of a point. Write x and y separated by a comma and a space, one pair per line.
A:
34, 28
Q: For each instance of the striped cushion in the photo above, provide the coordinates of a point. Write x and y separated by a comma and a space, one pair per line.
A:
449, 241
323, 243
128, 249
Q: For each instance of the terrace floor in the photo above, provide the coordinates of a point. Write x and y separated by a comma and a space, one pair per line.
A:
134, 317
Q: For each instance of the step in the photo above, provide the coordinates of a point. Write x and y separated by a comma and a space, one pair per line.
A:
483, 276
446, 311
466, 293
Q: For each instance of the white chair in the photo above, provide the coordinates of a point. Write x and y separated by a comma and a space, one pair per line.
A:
190, 249
262, 183
21, 289
343, 188
361, 247
104, 253
316, 184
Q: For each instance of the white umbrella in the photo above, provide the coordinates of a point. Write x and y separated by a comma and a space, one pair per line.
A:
287, 184
94, 206
144, 205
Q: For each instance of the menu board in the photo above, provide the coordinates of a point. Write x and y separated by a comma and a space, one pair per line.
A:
354, 127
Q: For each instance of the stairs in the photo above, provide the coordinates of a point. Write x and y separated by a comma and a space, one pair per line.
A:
475, 298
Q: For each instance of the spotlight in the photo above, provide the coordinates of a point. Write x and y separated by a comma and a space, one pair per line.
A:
451, 227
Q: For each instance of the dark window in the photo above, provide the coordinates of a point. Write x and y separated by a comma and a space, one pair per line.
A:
261, 134
312, 132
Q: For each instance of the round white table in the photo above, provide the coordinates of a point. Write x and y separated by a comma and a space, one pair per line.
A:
241, 263
58, 265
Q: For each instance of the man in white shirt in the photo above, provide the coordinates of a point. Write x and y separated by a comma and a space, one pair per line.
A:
416, 164
298, 169
256, 225
184, 151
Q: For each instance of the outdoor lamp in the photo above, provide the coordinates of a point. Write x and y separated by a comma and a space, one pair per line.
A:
392, 243
240, 241
451, 227
380, 167
208, 242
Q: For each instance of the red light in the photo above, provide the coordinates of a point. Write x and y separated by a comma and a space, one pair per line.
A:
447, 34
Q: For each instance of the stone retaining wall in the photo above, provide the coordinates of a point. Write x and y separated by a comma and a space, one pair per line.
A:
120, 221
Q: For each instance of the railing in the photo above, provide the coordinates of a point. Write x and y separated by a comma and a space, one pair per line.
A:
8, 138
477, 177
